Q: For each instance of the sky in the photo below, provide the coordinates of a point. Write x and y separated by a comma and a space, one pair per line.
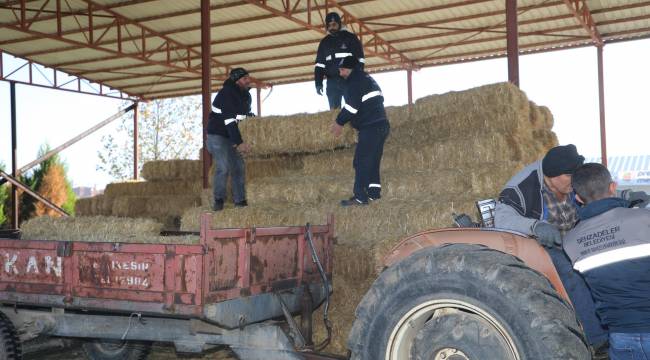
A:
566, 81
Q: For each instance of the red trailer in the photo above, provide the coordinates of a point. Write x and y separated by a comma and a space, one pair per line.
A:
237, 287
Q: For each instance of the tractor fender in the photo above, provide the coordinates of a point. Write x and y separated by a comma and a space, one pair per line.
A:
509, 242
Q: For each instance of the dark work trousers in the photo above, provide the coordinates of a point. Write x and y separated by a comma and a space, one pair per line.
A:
334, 91
580, 296
228, 163
367, 161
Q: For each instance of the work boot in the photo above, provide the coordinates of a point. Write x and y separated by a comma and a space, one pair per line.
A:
218, 205
353, 201
373, 198
242, 203
600, 351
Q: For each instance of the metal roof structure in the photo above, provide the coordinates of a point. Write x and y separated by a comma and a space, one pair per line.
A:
147, 49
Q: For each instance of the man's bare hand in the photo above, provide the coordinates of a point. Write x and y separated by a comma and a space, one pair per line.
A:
244, 148
336, 129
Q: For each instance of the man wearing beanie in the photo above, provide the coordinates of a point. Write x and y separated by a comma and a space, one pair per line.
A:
364, 110
231, 105
539, 201
336, 45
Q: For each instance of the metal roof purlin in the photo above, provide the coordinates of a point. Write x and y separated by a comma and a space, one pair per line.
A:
377, 40
583, 15
286, 13
121, 19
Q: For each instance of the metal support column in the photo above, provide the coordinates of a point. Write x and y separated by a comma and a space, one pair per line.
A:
409, 85
206, 86
259, 101
135, 141
14, 156
512, 41
601, 103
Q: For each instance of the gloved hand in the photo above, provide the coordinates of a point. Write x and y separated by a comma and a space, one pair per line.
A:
547, 235
636, 198
319, 89
250, 114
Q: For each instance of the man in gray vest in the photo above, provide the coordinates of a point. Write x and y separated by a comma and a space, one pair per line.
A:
539, 202
610, 247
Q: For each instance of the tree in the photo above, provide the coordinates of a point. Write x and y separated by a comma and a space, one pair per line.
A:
50, 181
53, 187
167, 129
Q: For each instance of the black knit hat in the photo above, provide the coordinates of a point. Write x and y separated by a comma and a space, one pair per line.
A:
349, 62
561, 160
332, 17
237, 73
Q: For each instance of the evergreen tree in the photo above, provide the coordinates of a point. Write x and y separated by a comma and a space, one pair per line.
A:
50, 181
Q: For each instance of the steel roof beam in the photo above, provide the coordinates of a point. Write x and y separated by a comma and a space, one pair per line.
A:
549, 32
395, 28
376, 40
468, 57
225, 68
580, 10
378, 43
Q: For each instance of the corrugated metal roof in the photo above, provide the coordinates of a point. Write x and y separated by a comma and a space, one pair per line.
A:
152, 48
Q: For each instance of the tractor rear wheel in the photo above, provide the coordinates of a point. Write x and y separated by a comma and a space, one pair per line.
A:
464, 302
10, 348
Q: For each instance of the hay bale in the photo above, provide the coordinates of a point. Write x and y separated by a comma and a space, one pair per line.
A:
473, 99
166, 170
367, 225
447, 154
132, 206
100, 229
343, 303
88, 228
153, 188
91, 206
482, 181
299, 133
398, 115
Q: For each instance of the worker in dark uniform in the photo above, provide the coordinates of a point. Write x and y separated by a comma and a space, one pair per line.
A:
610, 247
335, 46
364, 110
231, 105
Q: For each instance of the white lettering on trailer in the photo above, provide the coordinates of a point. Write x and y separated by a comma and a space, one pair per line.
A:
49, 266
10, 264
32, 265
130, 265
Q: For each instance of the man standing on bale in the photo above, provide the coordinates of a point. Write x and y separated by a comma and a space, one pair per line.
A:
231, 105
539, 202
336, 45
610, 247
364, 110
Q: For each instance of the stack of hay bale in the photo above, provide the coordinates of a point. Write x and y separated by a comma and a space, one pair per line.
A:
443, 154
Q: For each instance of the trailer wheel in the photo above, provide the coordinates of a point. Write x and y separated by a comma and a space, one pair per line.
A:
105, 349
464, 302
10, 348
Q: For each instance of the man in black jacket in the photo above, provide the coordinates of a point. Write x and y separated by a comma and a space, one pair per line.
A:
231, 105
336, 45
364, 110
